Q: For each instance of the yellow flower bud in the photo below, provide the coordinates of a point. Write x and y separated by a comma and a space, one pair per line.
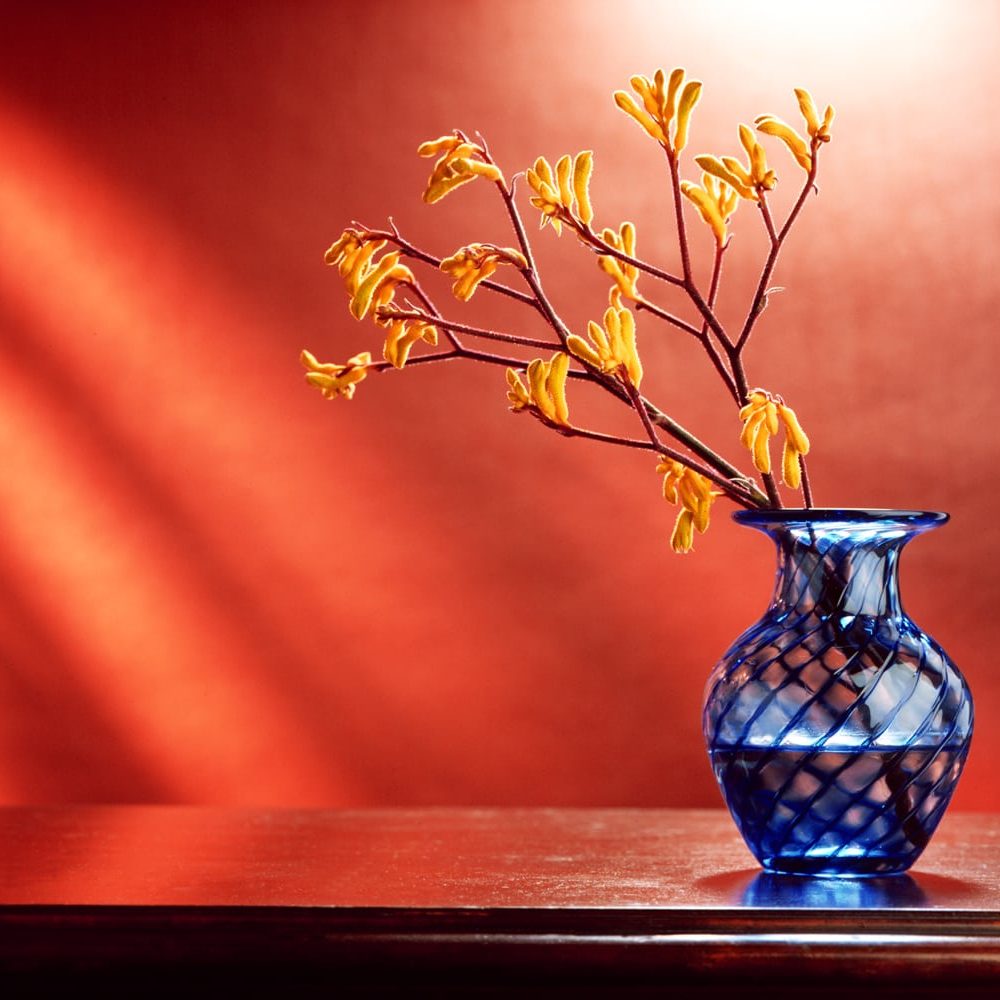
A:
808, 108
682, 539
334, 380
517, 393
676, 79
583, 350
625, 275
563, 196
370, 283
714, 166
402, 335
474, 263
716, 202
694, 493
689, 98
656, 115
459, 162
545, 393
582, 167
708, 209
793, 429
770, 125
612, 348
625, 102
762, 418
791, 470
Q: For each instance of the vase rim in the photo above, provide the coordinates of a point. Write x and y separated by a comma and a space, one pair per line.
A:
848, 515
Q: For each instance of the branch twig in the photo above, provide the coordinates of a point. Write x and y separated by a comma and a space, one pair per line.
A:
473, 331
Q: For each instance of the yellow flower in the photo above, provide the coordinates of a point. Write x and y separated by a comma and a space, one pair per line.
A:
370, 283
746, 180
715, 200
459, 161
336, 380
545, 392
660, 107
624, 275
819, 131
762, 417
374, 283
475, 263
694, 493
611, 349
345, 250
517, 392
401, 335
563, 195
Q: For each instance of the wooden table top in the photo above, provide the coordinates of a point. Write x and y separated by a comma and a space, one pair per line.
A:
634, 894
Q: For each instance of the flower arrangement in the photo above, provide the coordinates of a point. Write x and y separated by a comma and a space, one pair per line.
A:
375, 267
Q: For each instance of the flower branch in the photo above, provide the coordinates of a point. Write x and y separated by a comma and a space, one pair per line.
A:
605, 249
759, 301
643, 304
607, 356
529, 272
392, 235
472, 331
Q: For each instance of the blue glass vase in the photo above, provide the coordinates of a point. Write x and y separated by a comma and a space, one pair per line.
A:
837, 729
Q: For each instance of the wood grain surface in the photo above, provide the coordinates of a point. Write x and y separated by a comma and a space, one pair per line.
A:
474, 901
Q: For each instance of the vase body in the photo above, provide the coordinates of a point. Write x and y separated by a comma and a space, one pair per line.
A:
836, 728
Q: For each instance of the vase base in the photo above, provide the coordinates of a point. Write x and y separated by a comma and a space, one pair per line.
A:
838, 867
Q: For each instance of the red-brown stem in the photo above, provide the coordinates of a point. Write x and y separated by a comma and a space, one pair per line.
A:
757, 304
707, 315
611, 384
530, 274
606, 438
607, 250
804, 193
647, 306
679, 433
421, 359
472, 331
713, 288
667, 317
771, 486
713, 291
807, 496
765, 212
772, 490
690, 287
711, 321
760, 295
519, 363
675, 185
728, 471
432, 309
639, 405
649, 414
659, 449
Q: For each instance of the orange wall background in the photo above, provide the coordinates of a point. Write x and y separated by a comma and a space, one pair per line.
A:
218, 587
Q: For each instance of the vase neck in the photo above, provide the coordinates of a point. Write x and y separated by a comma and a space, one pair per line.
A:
840, 566
843, 577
